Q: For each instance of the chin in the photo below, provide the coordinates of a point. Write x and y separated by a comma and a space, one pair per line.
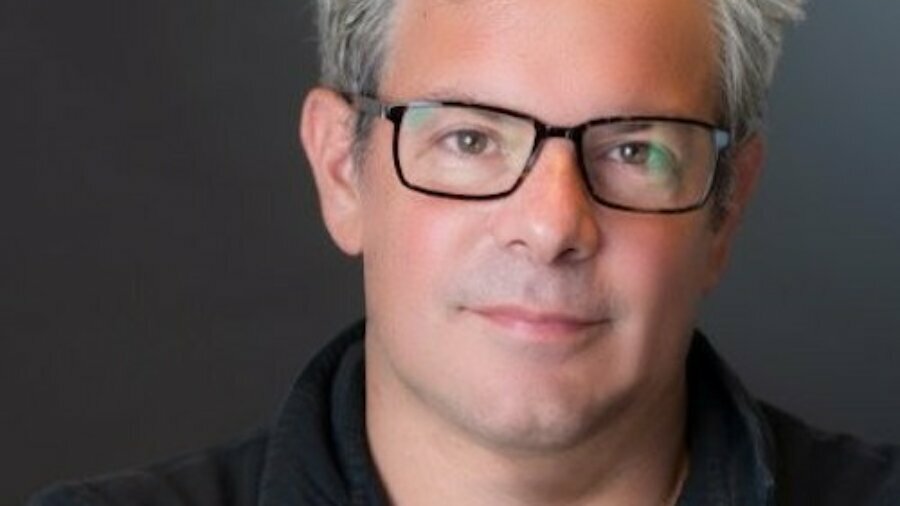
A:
540, 424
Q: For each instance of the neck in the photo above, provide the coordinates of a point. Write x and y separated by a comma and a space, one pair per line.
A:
639, 458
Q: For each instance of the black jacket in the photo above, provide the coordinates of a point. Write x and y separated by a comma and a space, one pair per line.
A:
743, 453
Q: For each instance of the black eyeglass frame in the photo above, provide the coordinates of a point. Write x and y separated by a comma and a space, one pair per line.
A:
395, 112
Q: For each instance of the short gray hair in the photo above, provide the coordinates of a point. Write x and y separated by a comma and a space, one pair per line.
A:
353, 37
750, 34
352, 43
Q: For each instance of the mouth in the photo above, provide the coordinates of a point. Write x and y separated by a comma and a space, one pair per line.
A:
539, 326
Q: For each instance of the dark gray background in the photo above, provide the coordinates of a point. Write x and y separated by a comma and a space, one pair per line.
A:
164, 274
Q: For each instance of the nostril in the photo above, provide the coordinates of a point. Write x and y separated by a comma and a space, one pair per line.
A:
570, 255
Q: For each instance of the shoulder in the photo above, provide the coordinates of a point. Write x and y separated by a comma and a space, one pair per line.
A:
817, 467
223, 475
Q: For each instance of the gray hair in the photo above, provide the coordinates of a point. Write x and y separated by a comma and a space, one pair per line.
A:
750, 35
353, 37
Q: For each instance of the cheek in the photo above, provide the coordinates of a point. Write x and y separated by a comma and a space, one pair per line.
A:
410, 260
413, 245
662, 270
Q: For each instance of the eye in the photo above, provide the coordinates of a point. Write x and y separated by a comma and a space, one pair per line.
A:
649, 155
468, 141
637, 153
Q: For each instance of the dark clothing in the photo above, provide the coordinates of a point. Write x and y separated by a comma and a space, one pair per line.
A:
743, 453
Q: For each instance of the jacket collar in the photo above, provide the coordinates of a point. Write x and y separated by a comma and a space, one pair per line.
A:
318, 453
732, 450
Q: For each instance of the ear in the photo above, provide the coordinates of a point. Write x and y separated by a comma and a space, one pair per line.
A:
746, 164
327, 134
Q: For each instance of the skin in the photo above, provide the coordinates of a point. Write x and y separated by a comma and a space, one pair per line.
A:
528, 350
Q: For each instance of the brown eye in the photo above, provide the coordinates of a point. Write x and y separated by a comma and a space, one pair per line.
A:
633, 153
470, 142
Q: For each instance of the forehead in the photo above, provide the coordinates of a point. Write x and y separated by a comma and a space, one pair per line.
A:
589, 57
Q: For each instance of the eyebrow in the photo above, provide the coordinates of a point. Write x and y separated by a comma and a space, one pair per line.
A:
451, 95
626, 127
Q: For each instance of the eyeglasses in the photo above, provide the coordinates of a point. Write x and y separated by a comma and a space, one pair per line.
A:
477, 152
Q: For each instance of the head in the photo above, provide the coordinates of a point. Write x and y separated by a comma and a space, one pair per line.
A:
533, 319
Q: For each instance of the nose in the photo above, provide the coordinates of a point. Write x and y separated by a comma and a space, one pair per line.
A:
551, 217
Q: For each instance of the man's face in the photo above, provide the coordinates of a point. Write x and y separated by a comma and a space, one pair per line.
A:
532, 320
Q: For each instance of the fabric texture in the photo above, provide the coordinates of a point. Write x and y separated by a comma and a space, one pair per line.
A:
743, 452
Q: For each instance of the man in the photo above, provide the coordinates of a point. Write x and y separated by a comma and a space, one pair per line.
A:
541, 193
